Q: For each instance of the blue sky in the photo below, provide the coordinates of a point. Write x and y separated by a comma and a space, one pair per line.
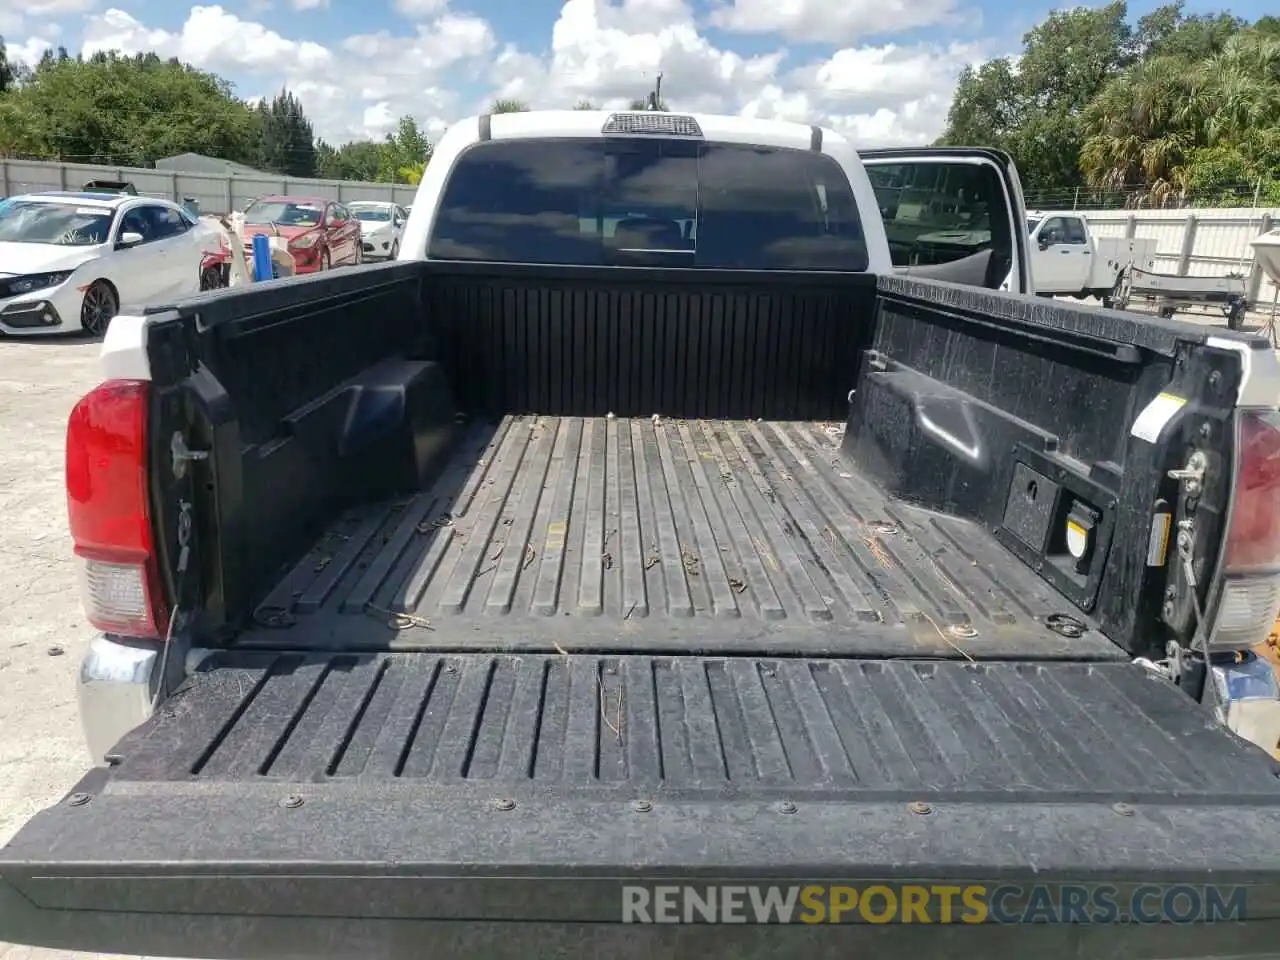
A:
881, 70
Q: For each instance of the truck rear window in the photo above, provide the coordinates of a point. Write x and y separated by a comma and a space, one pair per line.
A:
654, 202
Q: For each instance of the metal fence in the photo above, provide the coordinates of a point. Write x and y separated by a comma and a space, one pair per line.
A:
1204, 242
215, 192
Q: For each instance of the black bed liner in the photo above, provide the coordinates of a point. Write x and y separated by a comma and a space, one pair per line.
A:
654, 535
695, 726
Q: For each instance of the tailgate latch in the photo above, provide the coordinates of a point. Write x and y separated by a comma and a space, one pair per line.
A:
1192, 475
182, 455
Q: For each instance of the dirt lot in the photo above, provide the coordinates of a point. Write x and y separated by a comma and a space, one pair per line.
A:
42, 631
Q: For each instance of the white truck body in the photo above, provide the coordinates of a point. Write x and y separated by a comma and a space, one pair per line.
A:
1066, 258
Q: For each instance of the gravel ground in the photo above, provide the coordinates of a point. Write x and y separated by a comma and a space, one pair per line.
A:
42, 631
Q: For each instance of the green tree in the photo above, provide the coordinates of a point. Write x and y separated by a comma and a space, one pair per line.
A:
287, 143
412, 173
1168, 31
1031, 108
407, 148
131, 110
1177, 103
357, 160
642, 103
6, 70
585, 104
400, 158
507, 105
1177, 124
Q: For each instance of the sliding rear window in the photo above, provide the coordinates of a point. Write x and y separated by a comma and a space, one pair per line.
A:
657, 202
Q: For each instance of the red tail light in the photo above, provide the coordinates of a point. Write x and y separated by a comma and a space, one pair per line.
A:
1254, 540
1251, 584
109, 513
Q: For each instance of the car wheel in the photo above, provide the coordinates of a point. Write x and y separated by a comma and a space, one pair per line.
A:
325, 263
211, 278
100, 304
395, 249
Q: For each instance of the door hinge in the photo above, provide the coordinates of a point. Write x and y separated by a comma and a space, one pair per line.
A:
182, 455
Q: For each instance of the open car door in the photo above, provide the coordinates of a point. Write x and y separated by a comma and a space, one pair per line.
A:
953, 213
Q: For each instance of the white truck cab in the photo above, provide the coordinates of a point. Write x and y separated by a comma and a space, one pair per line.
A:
1067, 259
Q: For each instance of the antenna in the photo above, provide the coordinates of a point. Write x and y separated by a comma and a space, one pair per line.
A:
655, 97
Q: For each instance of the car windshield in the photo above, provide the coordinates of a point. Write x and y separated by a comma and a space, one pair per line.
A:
370, 214
64, 224
283, 213
660, 202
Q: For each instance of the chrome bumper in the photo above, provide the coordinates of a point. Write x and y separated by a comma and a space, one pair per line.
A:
116, 689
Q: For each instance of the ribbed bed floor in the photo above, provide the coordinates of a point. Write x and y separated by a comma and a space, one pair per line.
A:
556, 534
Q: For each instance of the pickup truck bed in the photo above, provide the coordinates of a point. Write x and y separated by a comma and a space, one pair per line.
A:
669, 536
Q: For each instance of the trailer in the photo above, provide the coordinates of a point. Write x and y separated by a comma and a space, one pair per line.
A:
1168, 293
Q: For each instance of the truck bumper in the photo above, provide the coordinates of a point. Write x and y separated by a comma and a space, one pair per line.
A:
1248, 698
116, 690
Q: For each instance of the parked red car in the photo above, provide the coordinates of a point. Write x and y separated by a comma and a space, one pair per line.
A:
321, 233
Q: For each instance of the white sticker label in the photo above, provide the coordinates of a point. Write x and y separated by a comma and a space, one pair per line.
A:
1157, 414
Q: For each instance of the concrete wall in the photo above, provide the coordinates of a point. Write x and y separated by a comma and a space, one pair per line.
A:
1204, 242
216, 193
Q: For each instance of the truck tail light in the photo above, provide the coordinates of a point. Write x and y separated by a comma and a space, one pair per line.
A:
109, 513
1251, 554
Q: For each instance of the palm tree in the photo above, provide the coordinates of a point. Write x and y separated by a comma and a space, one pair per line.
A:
1239, 88
1154, 122
1141, 127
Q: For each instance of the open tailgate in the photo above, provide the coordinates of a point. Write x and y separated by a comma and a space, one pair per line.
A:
495, 805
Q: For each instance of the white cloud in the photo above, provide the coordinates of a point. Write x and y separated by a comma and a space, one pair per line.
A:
15, 14
610, 53
446, 64
439, 44
29, 51
54, 8
415, 9
613, 53
309, 4
211, 38
821, 21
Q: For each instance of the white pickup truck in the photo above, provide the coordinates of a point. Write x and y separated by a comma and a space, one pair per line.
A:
1066, 258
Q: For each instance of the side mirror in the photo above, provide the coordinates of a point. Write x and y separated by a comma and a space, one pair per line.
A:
1044, 241
128, 239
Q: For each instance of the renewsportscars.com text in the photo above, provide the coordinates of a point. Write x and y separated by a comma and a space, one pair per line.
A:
931, 903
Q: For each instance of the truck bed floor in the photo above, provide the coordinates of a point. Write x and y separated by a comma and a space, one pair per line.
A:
611, 535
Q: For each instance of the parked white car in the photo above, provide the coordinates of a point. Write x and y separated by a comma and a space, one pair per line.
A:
69, 261
381, 227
